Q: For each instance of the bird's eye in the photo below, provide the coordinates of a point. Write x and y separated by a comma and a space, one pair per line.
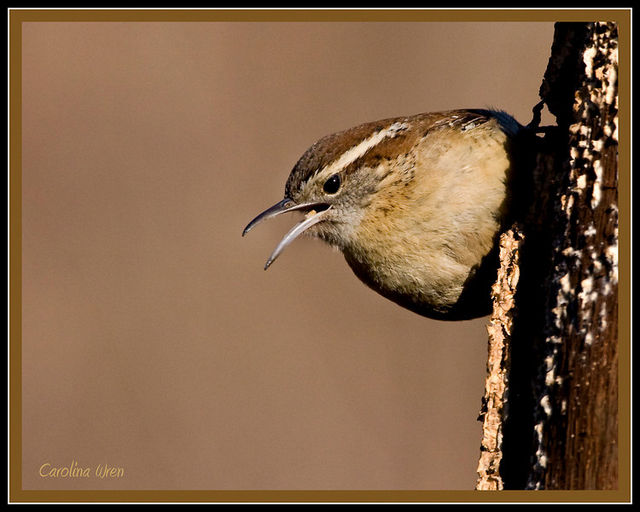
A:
332, 185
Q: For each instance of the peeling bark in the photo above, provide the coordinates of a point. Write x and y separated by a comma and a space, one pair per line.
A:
499, 330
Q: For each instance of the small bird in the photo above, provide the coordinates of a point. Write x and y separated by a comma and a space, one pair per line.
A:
415, 204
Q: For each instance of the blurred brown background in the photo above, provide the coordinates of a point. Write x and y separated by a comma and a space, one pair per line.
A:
152, 338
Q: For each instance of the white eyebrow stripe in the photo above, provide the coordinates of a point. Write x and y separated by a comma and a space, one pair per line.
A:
360, 149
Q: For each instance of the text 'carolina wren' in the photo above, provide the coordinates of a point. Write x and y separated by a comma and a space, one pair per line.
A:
414, 203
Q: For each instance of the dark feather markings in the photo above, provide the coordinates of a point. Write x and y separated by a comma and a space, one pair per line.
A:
329, 148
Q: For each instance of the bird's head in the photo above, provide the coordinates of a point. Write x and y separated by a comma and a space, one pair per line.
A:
334, 181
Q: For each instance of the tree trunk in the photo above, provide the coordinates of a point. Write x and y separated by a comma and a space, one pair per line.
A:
558, 419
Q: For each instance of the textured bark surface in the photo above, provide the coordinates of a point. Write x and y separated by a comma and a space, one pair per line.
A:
578, 411
560, 429
499, 330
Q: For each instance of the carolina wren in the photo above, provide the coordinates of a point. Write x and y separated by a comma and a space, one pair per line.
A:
414, 203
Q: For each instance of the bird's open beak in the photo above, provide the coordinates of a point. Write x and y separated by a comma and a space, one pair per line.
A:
315, 212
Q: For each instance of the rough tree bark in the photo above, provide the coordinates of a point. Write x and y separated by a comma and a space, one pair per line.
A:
550, 411
494, 401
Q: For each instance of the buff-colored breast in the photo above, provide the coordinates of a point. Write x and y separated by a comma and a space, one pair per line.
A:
434, 218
